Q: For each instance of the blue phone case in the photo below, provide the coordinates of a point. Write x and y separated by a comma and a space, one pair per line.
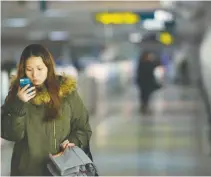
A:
24, 82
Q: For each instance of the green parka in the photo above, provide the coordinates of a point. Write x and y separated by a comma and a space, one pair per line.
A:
34, 138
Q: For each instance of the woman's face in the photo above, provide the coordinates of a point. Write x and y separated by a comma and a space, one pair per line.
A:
36, 70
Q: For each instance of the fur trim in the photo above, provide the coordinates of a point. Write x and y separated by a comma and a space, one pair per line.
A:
67, 85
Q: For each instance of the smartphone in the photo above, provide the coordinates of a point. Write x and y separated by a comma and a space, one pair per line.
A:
25, 81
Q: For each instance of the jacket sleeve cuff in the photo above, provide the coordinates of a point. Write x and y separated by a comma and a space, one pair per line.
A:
75, 140
17, 107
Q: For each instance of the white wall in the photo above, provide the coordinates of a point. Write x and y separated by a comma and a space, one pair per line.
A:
205, 57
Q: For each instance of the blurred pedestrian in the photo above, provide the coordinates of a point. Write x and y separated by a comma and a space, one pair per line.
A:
145, 79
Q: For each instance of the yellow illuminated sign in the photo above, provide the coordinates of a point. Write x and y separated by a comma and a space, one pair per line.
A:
166, 38
117, 18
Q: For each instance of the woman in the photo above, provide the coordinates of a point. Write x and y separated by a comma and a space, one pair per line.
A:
42, 119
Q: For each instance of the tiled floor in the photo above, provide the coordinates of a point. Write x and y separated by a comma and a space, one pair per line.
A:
171, 141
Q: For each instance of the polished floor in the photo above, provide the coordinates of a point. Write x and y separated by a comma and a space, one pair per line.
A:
172, 141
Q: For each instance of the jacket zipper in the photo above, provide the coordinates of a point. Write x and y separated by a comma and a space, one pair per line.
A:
54, 133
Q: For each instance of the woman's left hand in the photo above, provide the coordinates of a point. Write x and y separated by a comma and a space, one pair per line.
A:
66, 144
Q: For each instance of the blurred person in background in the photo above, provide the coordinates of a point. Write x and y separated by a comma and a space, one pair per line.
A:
45, 118
145, 79
8, 65
183, 67
75, 60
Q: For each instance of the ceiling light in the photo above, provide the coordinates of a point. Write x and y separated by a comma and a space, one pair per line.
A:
15, 22
151, 24
135, 37
163, 15
58, 35
53, 13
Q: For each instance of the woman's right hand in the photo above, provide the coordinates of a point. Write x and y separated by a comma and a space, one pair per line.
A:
26, 93
66, 144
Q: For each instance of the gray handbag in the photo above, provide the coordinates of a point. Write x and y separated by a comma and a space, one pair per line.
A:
71, 162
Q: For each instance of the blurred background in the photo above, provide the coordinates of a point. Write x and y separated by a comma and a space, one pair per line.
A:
100, 44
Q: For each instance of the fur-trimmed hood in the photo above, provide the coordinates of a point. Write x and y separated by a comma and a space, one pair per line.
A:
67, 85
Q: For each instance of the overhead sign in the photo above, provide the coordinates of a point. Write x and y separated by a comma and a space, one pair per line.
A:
117, 18
132, 18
